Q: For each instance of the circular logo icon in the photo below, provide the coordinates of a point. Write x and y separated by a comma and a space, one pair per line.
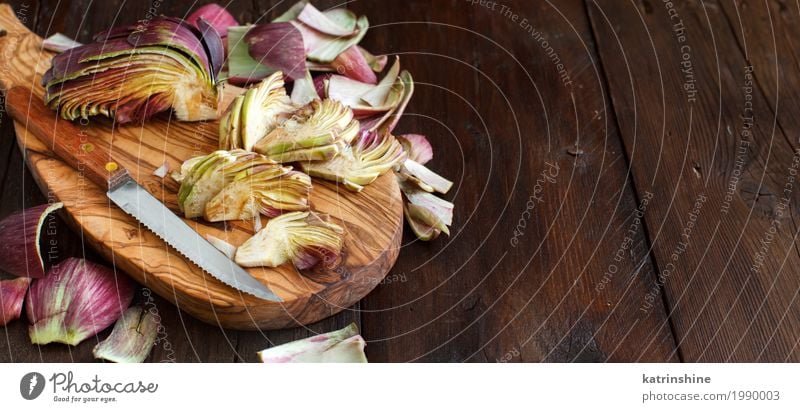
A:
31, 385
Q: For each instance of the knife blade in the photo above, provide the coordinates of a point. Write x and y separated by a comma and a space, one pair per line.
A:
139, 203
93, 158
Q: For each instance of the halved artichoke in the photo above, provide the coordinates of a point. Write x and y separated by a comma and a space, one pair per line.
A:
270, 191
209, 174
358, 165
303, 238
131, 73
313, 133
255, 113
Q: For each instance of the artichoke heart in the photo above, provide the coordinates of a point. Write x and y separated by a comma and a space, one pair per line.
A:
313, 133
255, 113
303, 238
131, 73
271, 192
360, 164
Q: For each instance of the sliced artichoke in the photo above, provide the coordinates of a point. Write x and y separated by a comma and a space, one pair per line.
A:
131, 73
313, 133
210, 174
360, 164
229, 131
186, 168
303, 238
255, 113
271, 191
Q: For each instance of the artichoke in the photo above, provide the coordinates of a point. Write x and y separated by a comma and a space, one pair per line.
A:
210, 174
254, 114
303, 238
201, 182
271, 191
240, 185
313, 133
131, 73
360, 164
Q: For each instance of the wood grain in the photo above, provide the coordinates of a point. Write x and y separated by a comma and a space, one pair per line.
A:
506, 115
688, 146
372, 219
472, 297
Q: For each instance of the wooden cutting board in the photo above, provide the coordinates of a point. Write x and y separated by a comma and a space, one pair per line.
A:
372, 219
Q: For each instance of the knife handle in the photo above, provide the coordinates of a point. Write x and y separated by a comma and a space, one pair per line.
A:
74, 145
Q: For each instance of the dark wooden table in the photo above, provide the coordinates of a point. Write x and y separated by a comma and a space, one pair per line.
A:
625, 183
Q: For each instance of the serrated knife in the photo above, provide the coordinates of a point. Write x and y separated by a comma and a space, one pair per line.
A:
93, 158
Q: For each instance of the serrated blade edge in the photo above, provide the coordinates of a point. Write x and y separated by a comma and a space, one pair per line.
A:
149, 211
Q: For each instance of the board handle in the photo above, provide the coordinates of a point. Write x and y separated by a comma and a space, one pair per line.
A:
76, 146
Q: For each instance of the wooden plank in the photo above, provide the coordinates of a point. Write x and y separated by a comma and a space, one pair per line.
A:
721, 228
517, 280
768, 37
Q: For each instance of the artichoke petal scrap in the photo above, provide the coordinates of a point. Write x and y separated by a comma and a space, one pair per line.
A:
426, 214
304, 91
76, 300
302, 238
278, 45
58, 43
216, 16
417, 147
132, 338
12, 296
303, 38
131, 73
340, 346
378, 106
425, 177
314, 133
360, 164
240, 185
